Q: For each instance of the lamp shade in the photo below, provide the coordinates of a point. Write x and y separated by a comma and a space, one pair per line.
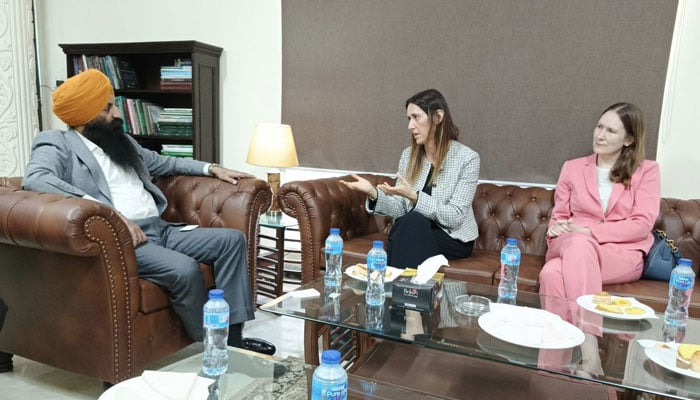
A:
272, 146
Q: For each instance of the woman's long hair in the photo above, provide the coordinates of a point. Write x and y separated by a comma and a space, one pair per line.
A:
430, 101
630, 156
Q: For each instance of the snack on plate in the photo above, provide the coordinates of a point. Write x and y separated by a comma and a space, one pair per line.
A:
633, 310
688, 357
622, 302
609, 308
602, 298
361, 270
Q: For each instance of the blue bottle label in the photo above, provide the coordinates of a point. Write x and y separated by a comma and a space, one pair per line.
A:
216, 320
682, 282
338, 391
510, 258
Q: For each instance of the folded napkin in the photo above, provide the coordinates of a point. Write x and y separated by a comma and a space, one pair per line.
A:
428, 268
162, 385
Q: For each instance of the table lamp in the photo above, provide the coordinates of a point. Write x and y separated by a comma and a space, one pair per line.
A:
273, 146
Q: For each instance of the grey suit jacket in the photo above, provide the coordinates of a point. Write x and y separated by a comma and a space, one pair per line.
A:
61, 163
454, 187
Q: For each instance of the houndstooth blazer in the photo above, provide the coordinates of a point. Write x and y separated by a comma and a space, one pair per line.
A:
454, 187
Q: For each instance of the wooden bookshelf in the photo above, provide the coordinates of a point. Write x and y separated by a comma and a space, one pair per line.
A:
147, 58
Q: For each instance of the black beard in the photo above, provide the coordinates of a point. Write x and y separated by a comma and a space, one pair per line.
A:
113, 141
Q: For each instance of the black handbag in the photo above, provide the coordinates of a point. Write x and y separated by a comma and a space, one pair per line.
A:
662, 258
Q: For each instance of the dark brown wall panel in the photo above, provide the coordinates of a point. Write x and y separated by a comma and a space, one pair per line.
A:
525, 80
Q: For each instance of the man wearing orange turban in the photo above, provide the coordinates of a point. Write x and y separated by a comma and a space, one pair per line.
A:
94, 159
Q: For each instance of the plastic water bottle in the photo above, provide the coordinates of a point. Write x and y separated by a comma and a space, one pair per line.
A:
680, 288
334, 259
216, 322
374, 318
376, 272
330, 381
330, 311
510, 265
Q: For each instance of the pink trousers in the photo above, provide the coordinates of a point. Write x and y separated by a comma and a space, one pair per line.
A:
576, 265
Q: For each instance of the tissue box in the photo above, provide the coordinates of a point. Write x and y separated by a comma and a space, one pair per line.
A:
399, 321
413, 296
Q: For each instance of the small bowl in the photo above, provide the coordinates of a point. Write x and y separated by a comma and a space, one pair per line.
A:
472, 305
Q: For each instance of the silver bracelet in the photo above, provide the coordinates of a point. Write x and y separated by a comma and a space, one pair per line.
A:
210, 170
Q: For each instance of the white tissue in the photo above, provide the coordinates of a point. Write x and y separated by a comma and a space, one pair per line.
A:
428, 268
162, 385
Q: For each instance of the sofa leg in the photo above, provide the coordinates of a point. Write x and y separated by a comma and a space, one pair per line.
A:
6, 362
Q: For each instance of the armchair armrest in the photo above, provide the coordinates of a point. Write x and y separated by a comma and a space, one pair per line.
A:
211, 202
320, 204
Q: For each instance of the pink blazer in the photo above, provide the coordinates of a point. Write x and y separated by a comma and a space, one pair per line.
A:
631, 213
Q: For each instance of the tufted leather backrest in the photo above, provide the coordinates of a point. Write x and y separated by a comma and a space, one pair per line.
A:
512, 211
680, 219
500, 212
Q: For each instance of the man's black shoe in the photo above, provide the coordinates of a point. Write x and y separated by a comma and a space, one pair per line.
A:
259, 346
6, 362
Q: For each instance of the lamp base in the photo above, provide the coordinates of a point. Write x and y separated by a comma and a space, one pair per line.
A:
273, 179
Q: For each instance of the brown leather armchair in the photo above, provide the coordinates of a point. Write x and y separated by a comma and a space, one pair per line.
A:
69, 275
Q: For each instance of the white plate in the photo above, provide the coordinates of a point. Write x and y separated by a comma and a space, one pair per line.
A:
586, 301
137, 389
667, 359
530, 327
358, 273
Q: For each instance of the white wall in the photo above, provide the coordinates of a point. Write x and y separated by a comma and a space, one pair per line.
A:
679, 136
250, 33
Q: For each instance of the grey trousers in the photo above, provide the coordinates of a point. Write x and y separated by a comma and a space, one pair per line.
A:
170, 258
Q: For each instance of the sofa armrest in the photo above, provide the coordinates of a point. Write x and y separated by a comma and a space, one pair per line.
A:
66, 262
211, 202
320, 204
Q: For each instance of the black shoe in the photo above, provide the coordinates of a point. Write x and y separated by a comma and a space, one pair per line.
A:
259, 346
6, 362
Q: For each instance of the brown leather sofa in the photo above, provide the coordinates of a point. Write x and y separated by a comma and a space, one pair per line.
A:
500, 211
69, 276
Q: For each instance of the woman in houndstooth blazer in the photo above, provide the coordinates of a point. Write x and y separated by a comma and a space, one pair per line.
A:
436, 182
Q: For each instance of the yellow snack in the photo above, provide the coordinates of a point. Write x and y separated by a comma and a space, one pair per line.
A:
634, 310
688, 357
619, 301
609, 308
602, 298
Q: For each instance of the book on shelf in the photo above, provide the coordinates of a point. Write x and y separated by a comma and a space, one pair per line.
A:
177, 150
140, 116
175, 122
177, 76
119, 70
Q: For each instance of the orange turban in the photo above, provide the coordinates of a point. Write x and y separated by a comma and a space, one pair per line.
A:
82, 97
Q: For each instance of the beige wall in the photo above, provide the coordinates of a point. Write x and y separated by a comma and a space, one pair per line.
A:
250, 33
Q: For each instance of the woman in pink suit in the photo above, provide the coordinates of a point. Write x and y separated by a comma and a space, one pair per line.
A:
605, 206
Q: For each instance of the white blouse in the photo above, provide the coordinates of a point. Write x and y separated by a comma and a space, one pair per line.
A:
605, 187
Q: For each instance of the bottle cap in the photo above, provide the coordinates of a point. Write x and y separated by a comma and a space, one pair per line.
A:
686, 262
378, 243
216, 294
330, 356
512, 241
335, 231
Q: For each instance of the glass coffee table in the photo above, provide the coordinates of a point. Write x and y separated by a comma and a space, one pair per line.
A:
261, 377
621, 351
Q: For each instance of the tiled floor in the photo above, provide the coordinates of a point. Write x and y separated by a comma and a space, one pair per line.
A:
33, 381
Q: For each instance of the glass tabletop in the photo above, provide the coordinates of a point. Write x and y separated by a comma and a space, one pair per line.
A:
255, 376
276, 220
584, 344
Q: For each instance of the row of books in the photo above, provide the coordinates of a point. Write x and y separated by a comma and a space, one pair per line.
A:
177, 76
140, 116
177, 150
119, 70
175, 122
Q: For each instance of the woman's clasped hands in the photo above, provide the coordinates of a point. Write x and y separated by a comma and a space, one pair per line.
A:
563, 226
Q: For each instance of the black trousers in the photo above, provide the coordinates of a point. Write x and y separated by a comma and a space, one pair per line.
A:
414, 238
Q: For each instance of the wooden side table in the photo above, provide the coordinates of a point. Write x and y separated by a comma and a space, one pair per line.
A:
273, 256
